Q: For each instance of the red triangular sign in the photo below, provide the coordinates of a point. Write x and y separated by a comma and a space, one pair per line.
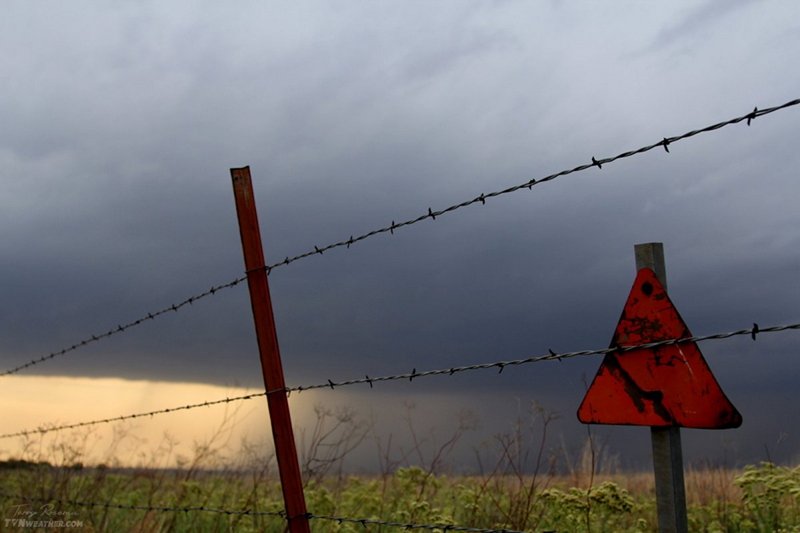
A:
667, 386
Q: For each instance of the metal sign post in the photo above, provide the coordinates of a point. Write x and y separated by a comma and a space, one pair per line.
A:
272, 370
666, 441
665, 387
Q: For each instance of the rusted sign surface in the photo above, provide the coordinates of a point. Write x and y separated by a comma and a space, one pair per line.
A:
668, 386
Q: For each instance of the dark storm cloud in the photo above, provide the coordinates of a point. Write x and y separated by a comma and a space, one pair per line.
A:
119, 131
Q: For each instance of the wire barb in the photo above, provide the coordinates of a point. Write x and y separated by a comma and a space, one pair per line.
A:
752, 116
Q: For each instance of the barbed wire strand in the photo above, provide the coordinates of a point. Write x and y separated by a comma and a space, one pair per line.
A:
501, 365
122, 327
752, 332
246, 512
665, 142
279, 514
122, 418
107, 505
443, 527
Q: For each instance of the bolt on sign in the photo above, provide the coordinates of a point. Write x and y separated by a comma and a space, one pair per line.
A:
666, 386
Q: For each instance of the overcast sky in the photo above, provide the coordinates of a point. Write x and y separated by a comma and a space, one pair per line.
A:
119, 124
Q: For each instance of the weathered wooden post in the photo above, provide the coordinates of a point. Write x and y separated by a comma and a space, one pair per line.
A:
271, 367
665, 387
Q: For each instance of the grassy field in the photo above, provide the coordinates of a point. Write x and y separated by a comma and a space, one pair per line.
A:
759, 498
523, 488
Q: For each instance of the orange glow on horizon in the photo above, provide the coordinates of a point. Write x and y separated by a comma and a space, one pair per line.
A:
163, 440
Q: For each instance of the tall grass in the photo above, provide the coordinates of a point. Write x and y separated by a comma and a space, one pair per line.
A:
521, 485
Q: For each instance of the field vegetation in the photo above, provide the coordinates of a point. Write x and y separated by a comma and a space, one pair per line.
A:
524, 487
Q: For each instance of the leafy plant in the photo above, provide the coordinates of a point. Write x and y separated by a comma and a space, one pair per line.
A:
771, 496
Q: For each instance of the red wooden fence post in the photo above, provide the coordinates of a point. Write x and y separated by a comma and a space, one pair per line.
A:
272, 370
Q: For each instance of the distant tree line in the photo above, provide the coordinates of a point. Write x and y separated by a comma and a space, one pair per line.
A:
22, 464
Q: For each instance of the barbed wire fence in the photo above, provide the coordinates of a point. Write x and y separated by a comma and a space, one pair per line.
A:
664, 143
753, 332
499, 365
